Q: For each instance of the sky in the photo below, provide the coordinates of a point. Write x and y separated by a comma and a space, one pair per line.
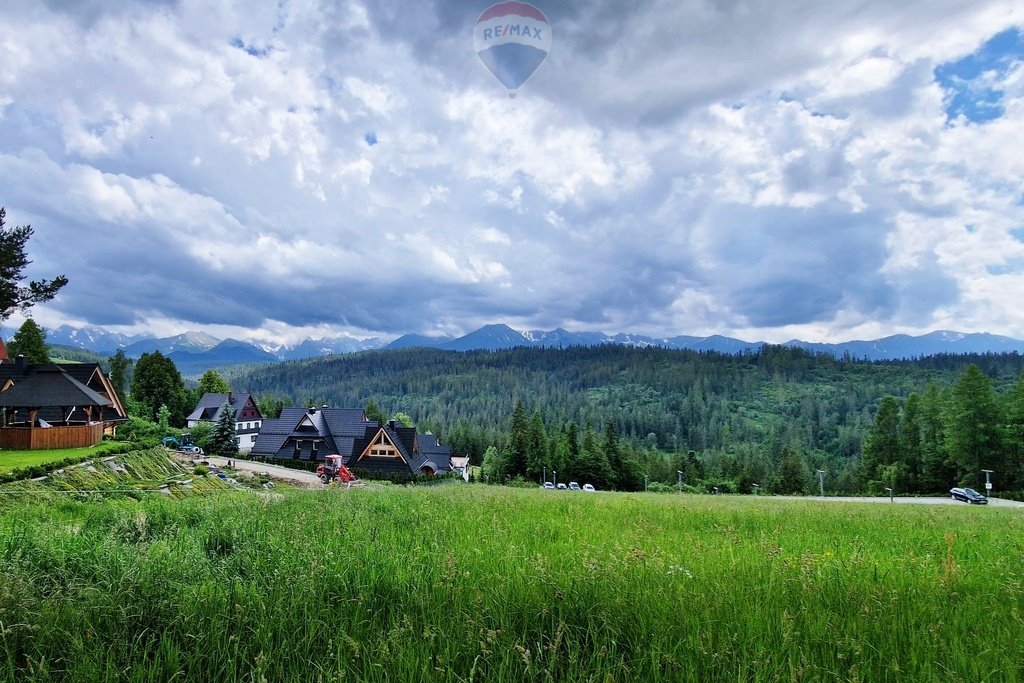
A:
274, 171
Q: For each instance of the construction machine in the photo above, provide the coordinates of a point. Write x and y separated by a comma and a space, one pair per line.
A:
332, 469
186, 444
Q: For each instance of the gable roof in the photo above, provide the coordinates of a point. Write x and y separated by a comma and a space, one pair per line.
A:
3, 351
210, 404
49, 386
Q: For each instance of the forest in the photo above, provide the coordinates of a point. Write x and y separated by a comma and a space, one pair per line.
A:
627, 417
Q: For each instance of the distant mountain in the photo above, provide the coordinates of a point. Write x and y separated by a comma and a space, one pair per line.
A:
312, 348
189, 342
199, 348
408, 341
905, 346
227, 352
489, 338
90, 338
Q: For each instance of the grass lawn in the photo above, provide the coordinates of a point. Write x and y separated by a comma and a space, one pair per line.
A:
478, 583
10, 460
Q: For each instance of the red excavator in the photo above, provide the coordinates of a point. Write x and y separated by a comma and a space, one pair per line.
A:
334, 470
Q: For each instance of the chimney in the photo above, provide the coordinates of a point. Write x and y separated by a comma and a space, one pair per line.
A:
231, 397
391, 423
21, 363
312, 411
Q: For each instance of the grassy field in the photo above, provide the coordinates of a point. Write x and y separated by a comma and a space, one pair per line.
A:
11, 460
476, 583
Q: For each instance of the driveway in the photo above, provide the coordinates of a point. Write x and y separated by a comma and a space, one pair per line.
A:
275, 472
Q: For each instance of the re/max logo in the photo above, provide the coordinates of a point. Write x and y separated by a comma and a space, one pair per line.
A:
513, 30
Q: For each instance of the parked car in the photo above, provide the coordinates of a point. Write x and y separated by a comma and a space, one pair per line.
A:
548, 485
573, 486
562, 487
969, 496
589, 488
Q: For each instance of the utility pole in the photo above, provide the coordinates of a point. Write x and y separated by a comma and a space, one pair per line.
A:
988, 482
821, 482
680, 473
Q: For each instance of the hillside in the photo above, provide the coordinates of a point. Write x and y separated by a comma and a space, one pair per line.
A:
673, 400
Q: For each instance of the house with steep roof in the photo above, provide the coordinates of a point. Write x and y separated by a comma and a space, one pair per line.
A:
383, 450
248, 417
3, 351
46, 405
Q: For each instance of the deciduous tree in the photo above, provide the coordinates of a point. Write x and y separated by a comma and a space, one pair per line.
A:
29, 341
157, 382
212, 383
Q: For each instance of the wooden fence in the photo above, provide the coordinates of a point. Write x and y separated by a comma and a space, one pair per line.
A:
25, 439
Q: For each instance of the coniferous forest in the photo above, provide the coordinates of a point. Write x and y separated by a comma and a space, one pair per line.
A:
615, 415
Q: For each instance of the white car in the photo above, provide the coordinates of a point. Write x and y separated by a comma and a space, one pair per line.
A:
589, 488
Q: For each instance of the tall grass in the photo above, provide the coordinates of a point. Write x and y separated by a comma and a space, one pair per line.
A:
488, 584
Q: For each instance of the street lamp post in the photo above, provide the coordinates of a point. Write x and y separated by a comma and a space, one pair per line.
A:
680, 473
890, 495
554, 473
757, 487
821, 482
545, 475
988, 482
646, 480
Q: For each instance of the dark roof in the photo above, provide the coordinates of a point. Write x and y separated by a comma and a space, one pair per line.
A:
49, 385
210, 405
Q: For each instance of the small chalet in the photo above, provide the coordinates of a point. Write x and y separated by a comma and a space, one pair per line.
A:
45, 405
248, 417
382, 449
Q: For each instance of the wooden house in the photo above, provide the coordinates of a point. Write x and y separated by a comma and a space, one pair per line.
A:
45, 405
388, 449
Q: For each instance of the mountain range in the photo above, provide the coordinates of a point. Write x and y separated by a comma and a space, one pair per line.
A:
194, 351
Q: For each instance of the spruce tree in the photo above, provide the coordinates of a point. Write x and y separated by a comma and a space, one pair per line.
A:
536, 447
222, 442
882, 446
973, 426
937, 472
910, 445
518, 443
13, 260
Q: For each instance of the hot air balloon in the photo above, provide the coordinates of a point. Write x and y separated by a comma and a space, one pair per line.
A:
512, 39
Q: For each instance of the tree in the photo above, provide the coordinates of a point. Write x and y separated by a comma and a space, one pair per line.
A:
270, 406
910, 444
403, 420
493, 467
536, 447
374, 413
157, 382
222, 441
14, 296
518, 442
212, 383
882, 446
120, 367
973, 426
937, 472
29, 341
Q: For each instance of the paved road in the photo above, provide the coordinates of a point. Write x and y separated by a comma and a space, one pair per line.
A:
996, 502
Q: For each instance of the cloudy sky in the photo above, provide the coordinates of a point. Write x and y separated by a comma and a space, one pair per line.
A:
279, 170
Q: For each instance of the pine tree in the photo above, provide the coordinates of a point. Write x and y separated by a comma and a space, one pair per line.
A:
613, 454
13, 296
29, 341
1012, 475
222, 442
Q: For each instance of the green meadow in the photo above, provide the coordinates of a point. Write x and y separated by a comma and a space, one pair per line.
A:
478, 583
